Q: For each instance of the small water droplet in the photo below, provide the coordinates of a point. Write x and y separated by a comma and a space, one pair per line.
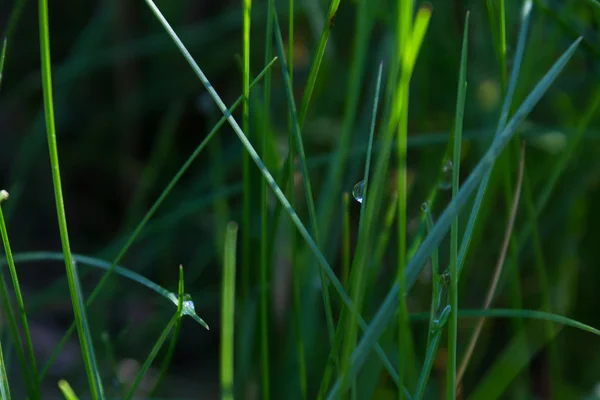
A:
424, 207
358, 192
446, 182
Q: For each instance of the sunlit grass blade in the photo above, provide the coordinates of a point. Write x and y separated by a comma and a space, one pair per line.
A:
247, 192
66, 390
506, 106
228, 312
138, 230
31, 377
453, 269
389, 306
316, 64
161, 340
85, 337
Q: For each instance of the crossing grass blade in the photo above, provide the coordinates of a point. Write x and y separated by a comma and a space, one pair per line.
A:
389, 305
85, 337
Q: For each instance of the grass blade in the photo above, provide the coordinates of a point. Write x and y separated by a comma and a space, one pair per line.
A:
247, 193
526, 15
497, 270
66, 390
161, 340
33, 385
85, 337
305, 176
453, 291
359, 264
389, 306
228, 313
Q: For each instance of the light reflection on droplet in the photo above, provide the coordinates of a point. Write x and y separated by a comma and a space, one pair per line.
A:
358, 191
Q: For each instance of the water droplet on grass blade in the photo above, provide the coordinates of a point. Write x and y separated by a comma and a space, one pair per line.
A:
424, 207
358, 191
446, 182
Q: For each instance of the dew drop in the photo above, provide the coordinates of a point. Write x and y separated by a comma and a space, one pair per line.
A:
446, 182
358, 191
424, 207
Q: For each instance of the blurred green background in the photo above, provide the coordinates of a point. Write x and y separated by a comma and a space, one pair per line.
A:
129, 112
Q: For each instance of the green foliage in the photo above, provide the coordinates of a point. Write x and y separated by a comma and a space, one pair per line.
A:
319, 296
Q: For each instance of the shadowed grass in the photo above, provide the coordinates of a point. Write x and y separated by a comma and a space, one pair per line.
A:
389, 306
31, 376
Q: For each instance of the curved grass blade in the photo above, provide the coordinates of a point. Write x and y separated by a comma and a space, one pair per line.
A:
389, 306
4, 388
524, 314
85, 337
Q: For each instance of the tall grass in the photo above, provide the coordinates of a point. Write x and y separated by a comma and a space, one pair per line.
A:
287, 329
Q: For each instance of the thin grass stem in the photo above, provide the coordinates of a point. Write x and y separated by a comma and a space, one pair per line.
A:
85, 338
228, 312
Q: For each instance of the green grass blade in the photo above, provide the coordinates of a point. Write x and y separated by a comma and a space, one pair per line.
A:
433, 335
545, 316
247, 193
85, 337
161, 340
305, 176
526, 15
316, 64
264, 254
453, 291
4, 388
228, 313
66, 390
138, 230
389, 306
33, 385
267, 175
400, 105
2, 58
359, 264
